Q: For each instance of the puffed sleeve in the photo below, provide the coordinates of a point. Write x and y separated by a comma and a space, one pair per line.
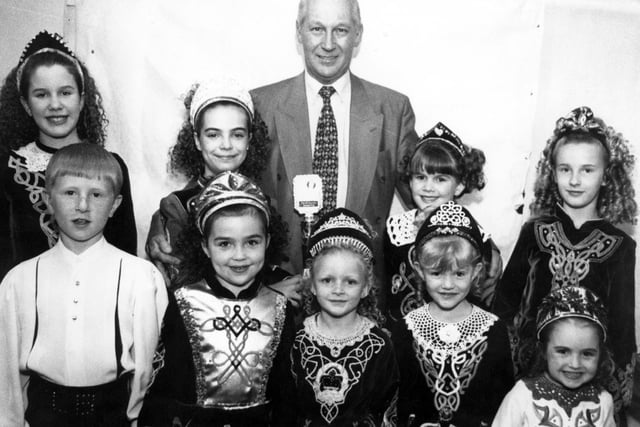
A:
511, 412
621, 328
281, 389
150, 305
508, 293
120, 230
385, 399
6, 249
12, 383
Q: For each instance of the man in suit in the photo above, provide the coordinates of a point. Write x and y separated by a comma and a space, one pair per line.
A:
375, 125
375, 129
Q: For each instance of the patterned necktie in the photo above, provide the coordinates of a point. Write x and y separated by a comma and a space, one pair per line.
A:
325, 154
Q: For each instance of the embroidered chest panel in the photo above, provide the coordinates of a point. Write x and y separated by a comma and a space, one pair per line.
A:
406, 294
233, 343
569, 263
449, 354
333, 367
556, 406
29, 167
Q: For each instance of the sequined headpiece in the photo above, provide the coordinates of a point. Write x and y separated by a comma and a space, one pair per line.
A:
46, 42
342, 227
571, 301
581, 120
218, 90
443, 134
450, 219
228, 189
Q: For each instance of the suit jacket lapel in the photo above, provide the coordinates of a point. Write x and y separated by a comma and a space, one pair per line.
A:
292, 123
364, 136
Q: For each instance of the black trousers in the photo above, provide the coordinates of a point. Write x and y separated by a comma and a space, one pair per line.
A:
53, 405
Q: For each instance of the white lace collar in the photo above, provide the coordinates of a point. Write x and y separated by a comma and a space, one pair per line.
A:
36, 159
401, 228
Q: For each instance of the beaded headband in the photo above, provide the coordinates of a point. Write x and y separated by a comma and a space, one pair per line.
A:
443, 134
571, 301
45, 42
228, 189
450, 219
582, 120
219, 90
341, 226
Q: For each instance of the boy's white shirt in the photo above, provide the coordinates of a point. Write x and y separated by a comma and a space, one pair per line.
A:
80, 351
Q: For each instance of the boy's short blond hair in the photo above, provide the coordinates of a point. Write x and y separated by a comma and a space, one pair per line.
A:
87, 161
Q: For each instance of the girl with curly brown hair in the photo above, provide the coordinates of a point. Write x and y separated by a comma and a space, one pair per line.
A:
48, 101
441, 169
583, 188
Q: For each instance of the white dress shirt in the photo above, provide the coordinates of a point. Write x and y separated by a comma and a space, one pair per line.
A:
341, 105
75, 342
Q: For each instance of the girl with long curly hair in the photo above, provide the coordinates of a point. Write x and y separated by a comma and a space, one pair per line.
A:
583, 187
221, 132
343, 364
48, 101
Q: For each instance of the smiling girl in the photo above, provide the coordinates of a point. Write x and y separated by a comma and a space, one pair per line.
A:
48, 101
449, 349
343, 364
583, 188
442, 169
572, 366
227, 333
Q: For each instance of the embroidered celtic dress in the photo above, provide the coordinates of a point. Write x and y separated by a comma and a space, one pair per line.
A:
451, 373
405, 290
551, 253
351, 381
540, 402
26, 228
219, 357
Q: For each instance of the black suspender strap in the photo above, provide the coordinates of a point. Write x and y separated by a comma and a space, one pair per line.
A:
119, 368
35, 328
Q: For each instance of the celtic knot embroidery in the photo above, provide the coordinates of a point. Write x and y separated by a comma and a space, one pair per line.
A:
33, 182
237, 327
403, 283
543, 388
332, 378
236, 323
569, 263
449, 367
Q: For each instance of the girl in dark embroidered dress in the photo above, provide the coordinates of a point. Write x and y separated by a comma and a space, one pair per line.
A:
343, 365
583, 188
226, 334
48, 101
449, 350
441, 169
573, 364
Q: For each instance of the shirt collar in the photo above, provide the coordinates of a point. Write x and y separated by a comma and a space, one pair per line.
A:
222, 292
342, 85
93, 252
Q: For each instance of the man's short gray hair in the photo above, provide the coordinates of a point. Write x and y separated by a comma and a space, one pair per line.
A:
355, 12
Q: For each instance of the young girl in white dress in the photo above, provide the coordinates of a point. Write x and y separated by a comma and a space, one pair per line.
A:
572, 366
